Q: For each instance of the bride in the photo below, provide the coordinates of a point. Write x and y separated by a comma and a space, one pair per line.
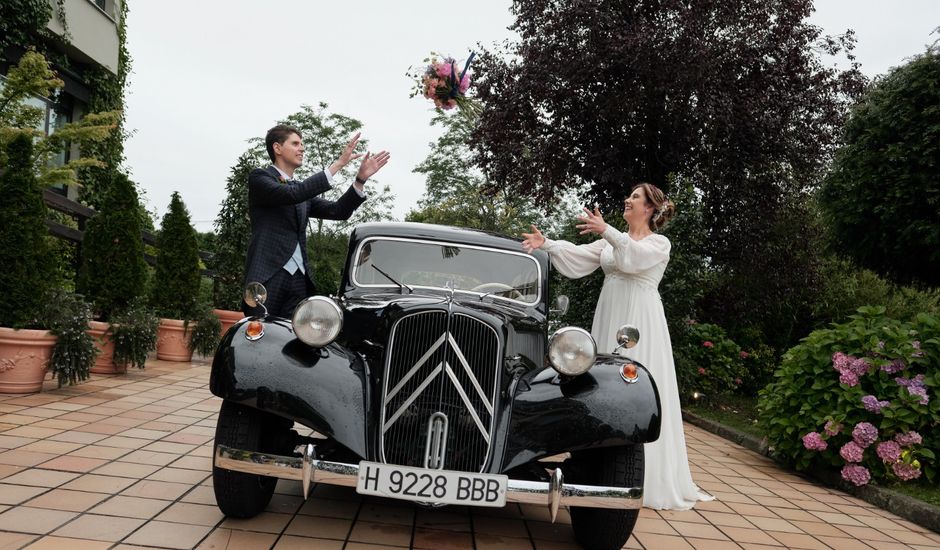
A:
633, 265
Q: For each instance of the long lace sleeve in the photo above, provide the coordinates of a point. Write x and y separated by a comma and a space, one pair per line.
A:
636, 256
574, 261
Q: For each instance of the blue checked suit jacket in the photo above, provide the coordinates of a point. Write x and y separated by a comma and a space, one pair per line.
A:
279, 212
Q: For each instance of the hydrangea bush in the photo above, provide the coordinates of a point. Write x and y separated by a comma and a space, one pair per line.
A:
708, 362
859, 398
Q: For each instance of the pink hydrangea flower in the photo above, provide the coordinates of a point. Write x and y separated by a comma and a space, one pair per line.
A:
701, 370
814, 442
856, 474
744, 354
738, 381
851, 452
872, 404
864, 434
848, 378
905, 471
921, 392
443, 70
889, 451
894, 366
708, 344
832, 428
908, 439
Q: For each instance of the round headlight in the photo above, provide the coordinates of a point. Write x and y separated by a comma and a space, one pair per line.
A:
317, 321
571, 351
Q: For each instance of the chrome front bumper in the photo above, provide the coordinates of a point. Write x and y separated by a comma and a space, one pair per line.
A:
308, 469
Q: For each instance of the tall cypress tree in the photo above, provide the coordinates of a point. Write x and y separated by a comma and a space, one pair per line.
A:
113, 272
234, 230
176, 277
26, 269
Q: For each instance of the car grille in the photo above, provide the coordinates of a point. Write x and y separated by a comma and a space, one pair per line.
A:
440, 362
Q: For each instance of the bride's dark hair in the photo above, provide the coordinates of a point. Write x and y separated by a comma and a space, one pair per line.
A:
664, 209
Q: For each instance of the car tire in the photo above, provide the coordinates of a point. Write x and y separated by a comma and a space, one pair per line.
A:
599, 529
241, 495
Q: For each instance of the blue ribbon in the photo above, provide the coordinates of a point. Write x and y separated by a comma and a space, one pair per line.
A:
454, 81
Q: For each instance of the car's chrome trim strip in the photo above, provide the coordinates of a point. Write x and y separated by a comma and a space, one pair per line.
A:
551, 494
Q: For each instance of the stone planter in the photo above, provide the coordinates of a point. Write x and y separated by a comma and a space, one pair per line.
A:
172, 343
228, 318
24, 359
104, 363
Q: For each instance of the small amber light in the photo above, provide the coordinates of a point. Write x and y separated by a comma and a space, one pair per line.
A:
254, 330
628, 372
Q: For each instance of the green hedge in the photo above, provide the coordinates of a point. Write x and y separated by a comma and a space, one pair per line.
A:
859, 397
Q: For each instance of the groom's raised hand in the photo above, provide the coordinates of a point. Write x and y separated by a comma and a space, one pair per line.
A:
347, 155
371, 164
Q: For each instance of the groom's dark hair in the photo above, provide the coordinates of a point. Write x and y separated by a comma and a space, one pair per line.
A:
278, 134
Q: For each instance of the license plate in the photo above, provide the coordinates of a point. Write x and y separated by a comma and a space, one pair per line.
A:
437, 486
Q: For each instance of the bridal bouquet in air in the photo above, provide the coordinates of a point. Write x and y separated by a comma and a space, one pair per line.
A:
446, 84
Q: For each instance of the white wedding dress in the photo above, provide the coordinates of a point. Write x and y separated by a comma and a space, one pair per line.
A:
632, 272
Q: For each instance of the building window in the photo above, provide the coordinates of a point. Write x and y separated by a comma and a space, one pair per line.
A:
103, 4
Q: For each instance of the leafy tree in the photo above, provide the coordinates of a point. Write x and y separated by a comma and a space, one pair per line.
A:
731, 94
27, 274
18, 18
458, 194
32, 77
324, 136
233, 230
176, 275
113, 273
882, 198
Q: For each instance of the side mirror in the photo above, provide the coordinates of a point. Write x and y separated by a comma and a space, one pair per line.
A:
627, 337
256, 295
561, 305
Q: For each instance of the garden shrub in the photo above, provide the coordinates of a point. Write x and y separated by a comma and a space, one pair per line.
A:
708, 362
176, 280
859, 398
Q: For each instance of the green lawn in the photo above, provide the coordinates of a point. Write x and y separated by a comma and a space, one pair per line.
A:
740, 413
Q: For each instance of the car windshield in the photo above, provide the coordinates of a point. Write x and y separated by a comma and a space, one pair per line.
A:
385, 262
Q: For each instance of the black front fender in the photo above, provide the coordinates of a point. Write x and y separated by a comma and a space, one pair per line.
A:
595, 409
324, 389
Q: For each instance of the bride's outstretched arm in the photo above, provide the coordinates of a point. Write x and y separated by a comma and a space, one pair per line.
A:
571, 260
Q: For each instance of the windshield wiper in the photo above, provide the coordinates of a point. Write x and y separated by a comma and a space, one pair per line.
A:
401, 286
518, 289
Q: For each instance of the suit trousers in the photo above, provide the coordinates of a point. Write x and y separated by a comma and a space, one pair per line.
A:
285, 290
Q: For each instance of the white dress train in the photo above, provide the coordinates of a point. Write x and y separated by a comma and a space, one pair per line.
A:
632, 272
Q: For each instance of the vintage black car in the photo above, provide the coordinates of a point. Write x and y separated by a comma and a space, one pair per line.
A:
434, 378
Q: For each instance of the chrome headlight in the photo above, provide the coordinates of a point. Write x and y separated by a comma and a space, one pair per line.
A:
317, 321
572, 351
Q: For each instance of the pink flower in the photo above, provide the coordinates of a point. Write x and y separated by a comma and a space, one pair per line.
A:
851, 452
864, 434
840, 361
738, 381
701, 370
905, 471
848, 378
744, 354
832, 428
893, 367
708, 344
464, 83
872, 404
691, 322
908, 439
443, 69
814, 442
889, 451
919, 392
856, 474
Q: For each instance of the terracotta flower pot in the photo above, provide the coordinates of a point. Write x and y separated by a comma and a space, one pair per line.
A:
24, 359
172, 343
104, 363
228, 318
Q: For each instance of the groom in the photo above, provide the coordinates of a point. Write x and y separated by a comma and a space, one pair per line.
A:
279, 208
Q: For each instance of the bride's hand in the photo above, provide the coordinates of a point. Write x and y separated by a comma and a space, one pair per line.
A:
533, 240
592, 222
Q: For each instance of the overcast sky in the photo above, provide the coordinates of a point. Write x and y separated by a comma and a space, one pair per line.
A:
209, 75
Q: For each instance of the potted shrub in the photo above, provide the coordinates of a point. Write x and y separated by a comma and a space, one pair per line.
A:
176, 282
27, 273
234, 230
113, 273
204, 331
134, 333
67, 315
